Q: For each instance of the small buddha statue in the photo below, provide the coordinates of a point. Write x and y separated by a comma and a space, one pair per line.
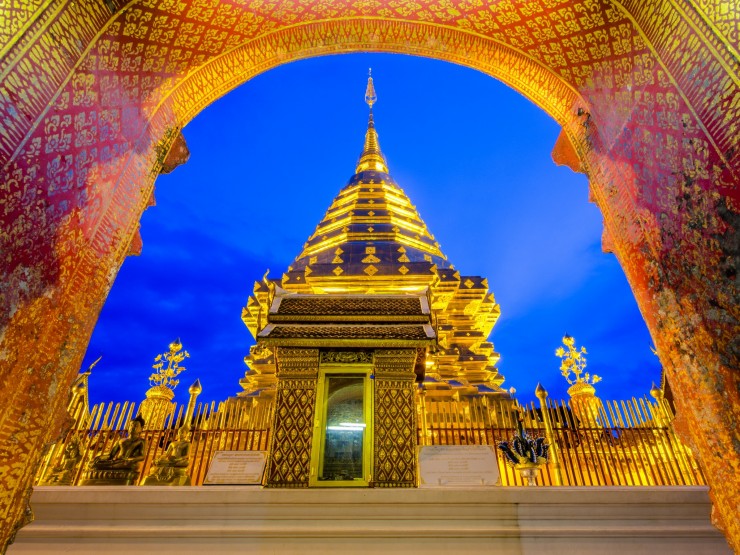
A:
63, 473
171, 468
122, 464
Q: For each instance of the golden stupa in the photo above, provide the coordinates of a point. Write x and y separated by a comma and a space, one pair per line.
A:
372, 242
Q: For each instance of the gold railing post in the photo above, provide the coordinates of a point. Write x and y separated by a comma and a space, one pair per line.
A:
423, 417
194, 391
664, 412
541, 394
680, 453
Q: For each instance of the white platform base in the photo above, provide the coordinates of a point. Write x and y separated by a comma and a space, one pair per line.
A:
227, 519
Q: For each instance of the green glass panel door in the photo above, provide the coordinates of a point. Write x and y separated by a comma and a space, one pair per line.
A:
341, 432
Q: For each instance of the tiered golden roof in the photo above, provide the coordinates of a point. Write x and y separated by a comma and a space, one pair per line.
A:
372, 241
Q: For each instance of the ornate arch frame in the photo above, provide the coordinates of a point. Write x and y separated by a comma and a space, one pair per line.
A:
93, 97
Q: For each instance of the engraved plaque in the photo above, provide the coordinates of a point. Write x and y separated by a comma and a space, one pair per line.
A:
236, 467
458, 465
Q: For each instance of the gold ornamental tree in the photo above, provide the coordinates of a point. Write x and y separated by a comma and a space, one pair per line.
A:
583, 399
159, 403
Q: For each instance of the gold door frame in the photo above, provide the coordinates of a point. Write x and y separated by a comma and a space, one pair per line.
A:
319, 435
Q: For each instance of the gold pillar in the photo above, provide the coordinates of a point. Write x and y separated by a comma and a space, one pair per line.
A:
395, 419
194, 391
289, 460
541, 394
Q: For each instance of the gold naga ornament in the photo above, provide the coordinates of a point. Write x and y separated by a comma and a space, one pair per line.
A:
526, 453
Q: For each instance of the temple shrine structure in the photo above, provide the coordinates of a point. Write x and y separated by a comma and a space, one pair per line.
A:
371, 294
371, 353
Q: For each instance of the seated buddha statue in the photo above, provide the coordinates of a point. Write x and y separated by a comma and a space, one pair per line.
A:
122, 463
63, 473
171, 468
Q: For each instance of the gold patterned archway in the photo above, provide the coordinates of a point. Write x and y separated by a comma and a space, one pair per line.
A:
93, 96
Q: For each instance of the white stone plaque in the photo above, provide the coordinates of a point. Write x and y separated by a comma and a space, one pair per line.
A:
458, 465
236, 467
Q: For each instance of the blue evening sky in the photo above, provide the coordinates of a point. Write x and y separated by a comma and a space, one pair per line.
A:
267, 160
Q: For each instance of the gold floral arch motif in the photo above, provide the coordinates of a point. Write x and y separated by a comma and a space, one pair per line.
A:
516, 69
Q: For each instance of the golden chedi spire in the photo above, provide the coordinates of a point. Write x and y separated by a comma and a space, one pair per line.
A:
373, 241
371, 231
371, 158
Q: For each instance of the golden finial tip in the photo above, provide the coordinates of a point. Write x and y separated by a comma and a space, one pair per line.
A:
196, 388
370, 96
540, 391
371, 158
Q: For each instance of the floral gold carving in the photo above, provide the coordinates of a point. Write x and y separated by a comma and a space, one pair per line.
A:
346, 357
395, 419
292, 425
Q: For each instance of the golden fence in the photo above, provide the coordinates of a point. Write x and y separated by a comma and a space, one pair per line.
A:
222, 427
625, 443
620, 443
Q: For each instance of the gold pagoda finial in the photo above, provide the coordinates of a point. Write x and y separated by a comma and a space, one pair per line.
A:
370, 96
371, 158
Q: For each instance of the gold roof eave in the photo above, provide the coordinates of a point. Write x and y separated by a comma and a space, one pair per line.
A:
316, 318
333, 334
359, 284
364, 343
339, 307
347, 237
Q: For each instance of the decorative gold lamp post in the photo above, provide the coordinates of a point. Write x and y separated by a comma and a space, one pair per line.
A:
663, 415
583, 399
158, 404
541, 394
194, 391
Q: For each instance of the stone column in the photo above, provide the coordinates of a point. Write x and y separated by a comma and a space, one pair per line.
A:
395, 419
289, 460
